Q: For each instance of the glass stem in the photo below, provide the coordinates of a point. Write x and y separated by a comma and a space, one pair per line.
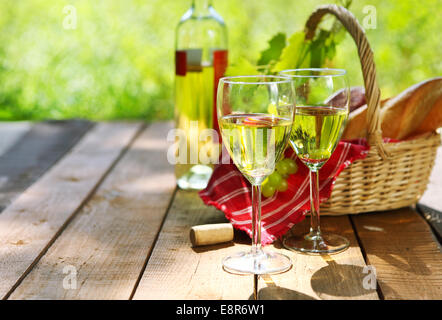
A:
201, 5
256, 218
315, 230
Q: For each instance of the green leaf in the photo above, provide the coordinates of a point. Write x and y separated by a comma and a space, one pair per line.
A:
331, 51
317, 54
273, 52
243, 67
339, 35
292, 55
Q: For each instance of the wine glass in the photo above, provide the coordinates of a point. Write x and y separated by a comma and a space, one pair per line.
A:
255, 116
322, 102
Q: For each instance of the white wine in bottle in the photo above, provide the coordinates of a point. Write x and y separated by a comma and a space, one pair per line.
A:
200, 61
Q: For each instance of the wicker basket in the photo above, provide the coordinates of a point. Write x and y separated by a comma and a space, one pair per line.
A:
392, 175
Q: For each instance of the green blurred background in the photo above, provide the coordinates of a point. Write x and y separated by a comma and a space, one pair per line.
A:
119, 61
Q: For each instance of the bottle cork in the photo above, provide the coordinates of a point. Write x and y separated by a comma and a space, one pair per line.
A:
211, 234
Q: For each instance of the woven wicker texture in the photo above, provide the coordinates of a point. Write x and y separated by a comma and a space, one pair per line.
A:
392, 175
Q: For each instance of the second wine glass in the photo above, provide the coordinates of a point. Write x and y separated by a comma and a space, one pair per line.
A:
322, 101
255, 116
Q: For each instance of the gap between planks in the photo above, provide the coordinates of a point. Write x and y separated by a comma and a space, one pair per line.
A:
153, 244
33, 221
110, 239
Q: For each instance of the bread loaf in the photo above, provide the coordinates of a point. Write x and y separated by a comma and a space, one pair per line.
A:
357, 98
403, 114
433, 120
357, 123
416, 110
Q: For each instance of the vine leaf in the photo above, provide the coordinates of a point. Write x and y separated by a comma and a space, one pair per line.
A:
273, 52
293, 54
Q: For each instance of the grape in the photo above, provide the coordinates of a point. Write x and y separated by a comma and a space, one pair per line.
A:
268, 190
283, 186
292, 166
266, 180
275, 179
282, 167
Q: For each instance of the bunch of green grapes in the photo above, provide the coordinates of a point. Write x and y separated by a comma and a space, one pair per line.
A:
278, 179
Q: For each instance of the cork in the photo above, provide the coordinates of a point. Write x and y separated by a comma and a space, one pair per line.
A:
211, 234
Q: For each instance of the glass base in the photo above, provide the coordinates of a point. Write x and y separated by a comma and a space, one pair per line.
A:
316, 244
196, 178
258, 262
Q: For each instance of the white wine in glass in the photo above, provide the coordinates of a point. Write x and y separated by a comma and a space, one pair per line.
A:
316, 133
255, 116
319, 122
254, 141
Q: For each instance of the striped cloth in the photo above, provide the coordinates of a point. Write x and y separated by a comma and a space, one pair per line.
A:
230, 192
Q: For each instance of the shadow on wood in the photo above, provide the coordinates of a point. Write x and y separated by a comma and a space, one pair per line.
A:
345, 277
401, 238
275, 292
212, 247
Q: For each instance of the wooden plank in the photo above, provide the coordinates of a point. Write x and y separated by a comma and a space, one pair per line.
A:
108, 240
400, 245
332, 277
33, 221
34, 153
433, 217
432, 196
10, 132
430, 205
177, 271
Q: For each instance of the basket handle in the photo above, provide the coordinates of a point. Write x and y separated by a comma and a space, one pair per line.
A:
372, 91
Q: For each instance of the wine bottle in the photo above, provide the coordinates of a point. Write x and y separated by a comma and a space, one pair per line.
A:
200, 61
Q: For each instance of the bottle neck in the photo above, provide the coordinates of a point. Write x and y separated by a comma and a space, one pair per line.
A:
201, 6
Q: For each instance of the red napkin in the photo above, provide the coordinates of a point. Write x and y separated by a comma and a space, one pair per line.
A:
231, 193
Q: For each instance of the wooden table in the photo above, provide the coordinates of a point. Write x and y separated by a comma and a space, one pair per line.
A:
91, 211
